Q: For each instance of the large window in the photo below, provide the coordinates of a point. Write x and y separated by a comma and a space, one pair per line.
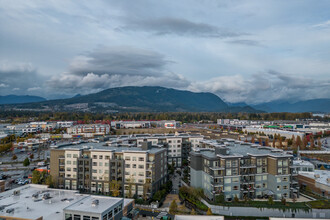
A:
68, 216
76, 217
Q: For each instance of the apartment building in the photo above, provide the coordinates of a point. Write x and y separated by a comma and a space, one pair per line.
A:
93, 168
96, 129
240, 169
178, 145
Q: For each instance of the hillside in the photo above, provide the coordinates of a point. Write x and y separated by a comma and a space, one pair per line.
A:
314, 105
14, 99
140, 99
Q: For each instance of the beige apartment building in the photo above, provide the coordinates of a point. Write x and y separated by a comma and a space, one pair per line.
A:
93, 168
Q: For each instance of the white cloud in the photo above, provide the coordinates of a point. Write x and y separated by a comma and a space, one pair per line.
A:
2, 85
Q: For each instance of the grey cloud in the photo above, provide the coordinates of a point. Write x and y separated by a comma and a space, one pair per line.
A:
179, 26
118, 60
264, 87
114, 67
18, 75
253, 43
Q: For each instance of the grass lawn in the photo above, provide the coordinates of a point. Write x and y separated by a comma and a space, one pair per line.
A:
320, 204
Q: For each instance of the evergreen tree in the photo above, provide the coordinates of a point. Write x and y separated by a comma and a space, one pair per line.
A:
26, 162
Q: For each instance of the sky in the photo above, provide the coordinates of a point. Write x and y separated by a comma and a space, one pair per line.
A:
243, 51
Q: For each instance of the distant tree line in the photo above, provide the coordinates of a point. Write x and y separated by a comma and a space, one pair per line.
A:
185, 117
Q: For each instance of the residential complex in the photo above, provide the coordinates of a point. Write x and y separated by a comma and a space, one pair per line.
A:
37, 202
94, 168
242, 169
178, 145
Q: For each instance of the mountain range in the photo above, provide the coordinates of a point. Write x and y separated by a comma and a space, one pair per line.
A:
14, 99
156, 99
139, 99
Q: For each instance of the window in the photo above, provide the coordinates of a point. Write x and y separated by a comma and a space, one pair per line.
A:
68, 162
258, 178
68, 169
75, 156
134, 158
285, 187
134, 166
94, 157
228, 172
101, 157
68, 155
228, 163
278, 179
76, 217
110, 214
227, 180
68, 216
85, 217
107, 157
235, 179
106, 164
285, 179
127, 165
235, 187
95, 218
278, 187
228, 189
100, 164
94, 171
127, 158
141, 167
264, 185
141, 159
94, 163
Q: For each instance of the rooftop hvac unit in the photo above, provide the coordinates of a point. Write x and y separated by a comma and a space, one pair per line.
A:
45, 196
95, 202
317, 175
16, 192
11, 210
35, 195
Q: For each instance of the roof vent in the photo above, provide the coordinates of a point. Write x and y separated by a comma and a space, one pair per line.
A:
95, 202
16, 192
11, 210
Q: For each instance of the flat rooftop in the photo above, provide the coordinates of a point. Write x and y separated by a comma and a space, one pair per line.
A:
320, 176
26, 206
85, 204
102, 147
240, 148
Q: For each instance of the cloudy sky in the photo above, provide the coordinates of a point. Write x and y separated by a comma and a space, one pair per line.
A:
243, 51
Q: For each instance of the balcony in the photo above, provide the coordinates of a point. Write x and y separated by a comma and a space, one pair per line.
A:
217, 168
246, 166
62, 164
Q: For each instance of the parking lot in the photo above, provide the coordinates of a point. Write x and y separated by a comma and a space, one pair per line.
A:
14, 172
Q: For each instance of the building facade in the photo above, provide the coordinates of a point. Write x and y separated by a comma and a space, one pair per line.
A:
240, 169
94, 168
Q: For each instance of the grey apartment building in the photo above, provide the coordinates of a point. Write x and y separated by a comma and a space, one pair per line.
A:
241, 169
93, 168
177, 145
